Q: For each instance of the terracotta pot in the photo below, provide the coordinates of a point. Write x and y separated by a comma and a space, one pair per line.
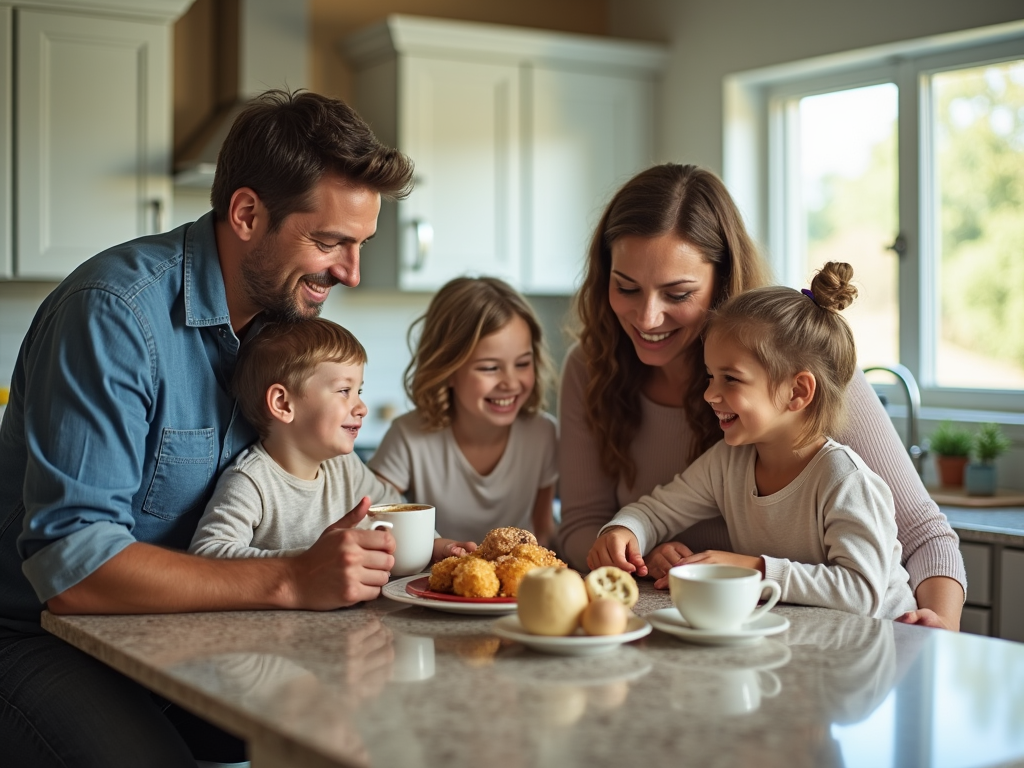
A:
951, 470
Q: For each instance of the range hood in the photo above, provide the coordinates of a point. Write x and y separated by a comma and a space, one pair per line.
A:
259, 44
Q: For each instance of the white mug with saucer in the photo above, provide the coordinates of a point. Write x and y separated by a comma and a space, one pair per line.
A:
720, 597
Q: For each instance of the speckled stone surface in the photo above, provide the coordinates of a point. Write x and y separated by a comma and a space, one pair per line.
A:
994, 526
386, 684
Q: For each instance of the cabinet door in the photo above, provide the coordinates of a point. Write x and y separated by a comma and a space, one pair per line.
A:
459, 121
1011, 595
93, 138
588, 134
6, 151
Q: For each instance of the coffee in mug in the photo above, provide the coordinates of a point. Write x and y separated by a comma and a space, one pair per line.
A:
720, 597
412, 525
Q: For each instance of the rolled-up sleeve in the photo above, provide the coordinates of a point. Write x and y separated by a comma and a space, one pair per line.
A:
86, 424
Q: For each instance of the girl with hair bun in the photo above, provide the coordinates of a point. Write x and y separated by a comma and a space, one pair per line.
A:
669, 248
804, 510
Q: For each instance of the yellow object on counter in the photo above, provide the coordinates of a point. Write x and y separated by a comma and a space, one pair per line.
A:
5, 394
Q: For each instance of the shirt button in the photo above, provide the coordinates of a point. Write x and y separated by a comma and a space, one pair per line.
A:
222, 333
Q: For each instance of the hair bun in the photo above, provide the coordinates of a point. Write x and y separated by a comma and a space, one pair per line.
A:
832, 288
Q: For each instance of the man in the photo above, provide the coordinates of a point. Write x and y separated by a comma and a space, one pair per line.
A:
120, 421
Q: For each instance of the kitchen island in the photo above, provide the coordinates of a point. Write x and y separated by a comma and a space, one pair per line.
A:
387, 684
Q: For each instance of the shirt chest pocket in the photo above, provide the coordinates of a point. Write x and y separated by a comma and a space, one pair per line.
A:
184, 468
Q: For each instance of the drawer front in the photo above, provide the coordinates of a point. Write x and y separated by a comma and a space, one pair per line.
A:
1011, 595
976, 621
978, 563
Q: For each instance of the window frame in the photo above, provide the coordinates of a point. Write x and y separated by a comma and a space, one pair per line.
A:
759, 107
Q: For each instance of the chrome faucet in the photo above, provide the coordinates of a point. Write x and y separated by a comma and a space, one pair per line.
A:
901, 372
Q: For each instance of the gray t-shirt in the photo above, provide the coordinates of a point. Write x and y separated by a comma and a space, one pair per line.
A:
828, 538
432, 469
260, 510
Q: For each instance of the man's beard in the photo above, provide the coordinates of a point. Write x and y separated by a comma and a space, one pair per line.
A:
259, 280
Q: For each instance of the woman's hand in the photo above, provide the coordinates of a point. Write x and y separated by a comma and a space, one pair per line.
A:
714, 557
665, 556
924, 617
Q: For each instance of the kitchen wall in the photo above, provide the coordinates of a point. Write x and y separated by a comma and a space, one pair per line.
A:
709, 39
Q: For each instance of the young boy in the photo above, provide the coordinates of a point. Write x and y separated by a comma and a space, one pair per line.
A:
298, 384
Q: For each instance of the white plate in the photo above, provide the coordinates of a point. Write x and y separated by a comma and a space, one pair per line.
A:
395, 590
573, 645
668, 620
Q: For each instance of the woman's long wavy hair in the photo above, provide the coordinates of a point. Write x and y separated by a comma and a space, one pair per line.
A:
693, 204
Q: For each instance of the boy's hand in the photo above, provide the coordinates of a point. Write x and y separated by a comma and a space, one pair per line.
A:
450, 548
619, 547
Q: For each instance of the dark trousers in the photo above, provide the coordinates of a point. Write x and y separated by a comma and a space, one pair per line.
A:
60, 707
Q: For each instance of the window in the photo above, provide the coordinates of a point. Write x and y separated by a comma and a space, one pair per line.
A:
908, 163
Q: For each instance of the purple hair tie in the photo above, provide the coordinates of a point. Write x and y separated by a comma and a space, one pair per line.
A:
806, 292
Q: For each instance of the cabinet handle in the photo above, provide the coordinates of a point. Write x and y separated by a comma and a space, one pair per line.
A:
424, 242
156, 205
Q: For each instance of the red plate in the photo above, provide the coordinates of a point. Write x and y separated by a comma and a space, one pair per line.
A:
420, 588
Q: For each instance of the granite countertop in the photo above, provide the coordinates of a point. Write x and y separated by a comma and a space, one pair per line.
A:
389, 684
1003, 525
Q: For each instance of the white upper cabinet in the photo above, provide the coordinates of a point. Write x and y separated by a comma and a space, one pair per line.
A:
461, 127
91, 113
519, 139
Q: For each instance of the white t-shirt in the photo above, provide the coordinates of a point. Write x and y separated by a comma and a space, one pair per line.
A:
432, 469
828, 538
260, 510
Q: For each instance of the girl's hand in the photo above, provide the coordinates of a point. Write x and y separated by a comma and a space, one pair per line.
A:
619, 547
665, 556
450, 548
714, 557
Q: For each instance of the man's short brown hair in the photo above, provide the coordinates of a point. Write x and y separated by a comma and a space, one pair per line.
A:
282, 144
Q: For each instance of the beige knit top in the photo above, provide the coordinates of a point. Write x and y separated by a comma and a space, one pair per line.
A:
590, 498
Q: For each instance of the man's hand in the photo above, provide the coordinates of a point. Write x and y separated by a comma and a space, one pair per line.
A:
665, 556
714, 557
344, 566
619, 547
450, 548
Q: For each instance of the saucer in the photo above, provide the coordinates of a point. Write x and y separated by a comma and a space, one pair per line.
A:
668, 620
509, 628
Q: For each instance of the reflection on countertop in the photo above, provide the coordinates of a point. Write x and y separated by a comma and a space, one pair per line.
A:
388, 684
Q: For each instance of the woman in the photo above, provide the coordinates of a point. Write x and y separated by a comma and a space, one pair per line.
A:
670, 246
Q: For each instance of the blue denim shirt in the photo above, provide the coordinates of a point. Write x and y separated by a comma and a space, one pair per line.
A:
119, 419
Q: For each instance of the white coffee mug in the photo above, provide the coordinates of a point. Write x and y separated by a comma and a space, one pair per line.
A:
720, 597
412, 525
414, 657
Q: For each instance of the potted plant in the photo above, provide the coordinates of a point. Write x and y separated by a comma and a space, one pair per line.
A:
989, 444
952, 448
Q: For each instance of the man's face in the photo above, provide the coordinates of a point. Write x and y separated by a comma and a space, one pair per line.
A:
291, 271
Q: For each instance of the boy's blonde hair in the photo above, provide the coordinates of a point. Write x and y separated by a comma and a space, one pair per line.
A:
461, 313
789, 331
287, 354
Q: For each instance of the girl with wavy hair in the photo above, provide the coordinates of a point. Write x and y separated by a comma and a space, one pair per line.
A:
478, 446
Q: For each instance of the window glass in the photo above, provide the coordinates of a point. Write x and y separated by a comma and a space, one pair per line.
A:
978, 128
849, 202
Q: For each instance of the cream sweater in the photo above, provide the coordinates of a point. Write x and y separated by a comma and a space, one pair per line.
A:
828, 538
590, 498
